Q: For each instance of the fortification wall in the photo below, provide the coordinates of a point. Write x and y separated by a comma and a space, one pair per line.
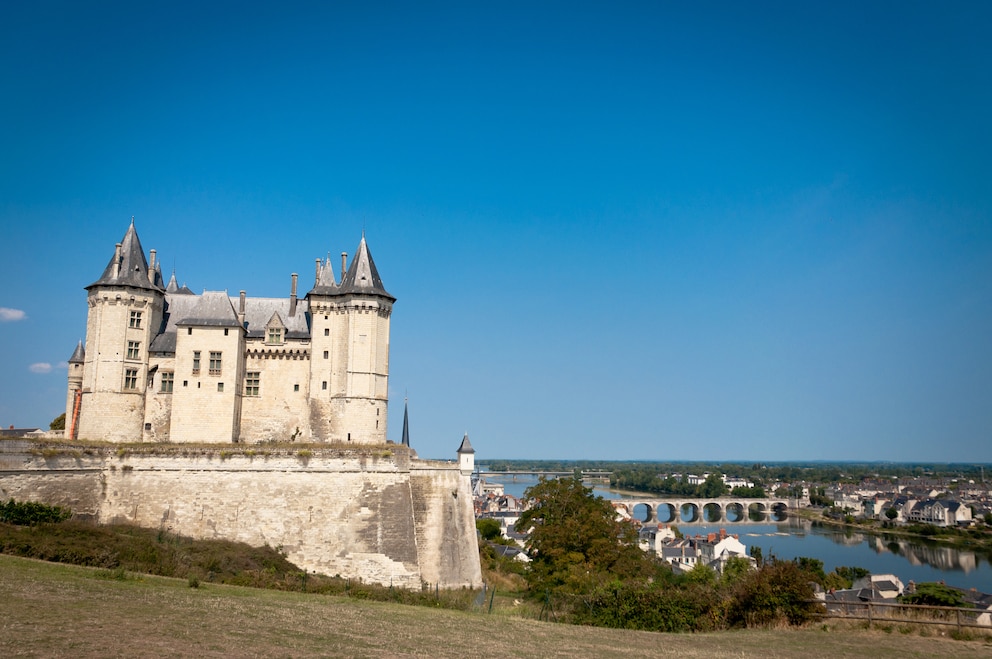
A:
375, 515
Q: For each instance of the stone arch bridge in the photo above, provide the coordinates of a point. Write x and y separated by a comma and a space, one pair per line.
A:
713, 510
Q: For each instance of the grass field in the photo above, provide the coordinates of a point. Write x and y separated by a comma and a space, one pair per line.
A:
55, 610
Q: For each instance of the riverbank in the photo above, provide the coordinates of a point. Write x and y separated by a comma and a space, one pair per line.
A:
955, 538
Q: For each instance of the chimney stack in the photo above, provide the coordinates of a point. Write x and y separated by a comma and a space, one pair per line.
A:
344, 265
292, 297
151, 268
117, 261
241, 309
316, 275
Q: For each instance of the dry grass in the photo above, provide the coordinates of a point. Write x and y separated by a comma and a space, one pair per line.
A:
50, 610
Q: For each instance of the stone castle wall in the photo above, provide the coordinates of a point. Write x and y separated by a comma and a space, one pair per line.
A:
374, 514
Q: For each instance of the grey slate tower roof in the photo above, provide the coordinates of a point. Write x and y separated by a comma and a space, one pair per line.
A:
362, 277
173, 287
78, 355
325, 284
406, 426
466, 446
133, 269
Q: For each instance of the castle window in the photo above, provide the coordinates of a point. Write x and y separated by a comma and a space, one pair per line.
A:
296, 387
189, 331
275, 335
135, 321
323, 385
327, 332
326, 354
214, 363
168, 379
133, 349
225, 331
252, 380
220, 386
196, 362
131, 378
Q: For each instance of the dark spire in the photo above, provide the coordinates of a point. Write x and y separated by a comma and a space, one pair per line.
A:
173, 286
362, 277
406, 425
466, 446
127, 267
78, 355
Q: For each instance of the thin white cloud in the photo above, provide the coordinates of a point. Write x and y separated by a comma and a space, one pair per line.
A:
11, 315
40, 367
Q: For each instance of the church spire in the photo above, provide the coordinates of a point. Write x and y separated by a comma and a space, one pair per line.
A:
406, 425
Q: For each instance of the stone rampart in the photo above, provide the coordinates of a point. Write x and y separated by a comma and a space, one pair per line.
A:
377, 514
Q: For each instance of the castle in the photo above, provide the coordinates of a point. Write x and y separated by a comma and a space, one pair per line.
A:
161, 363
202, 380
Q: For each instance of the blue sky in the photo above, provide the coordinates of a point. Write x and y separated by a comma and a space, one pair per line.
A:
730, 231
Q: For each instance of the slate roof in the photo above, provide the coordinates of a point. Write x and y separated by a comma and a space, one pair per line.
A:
326, 284
212, 309
133, 266
259, 311
466, 446
173, 287
78, 355
361, 278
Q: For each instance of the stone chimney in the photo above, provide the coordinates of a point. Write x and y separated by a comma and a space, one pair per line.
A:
151, 268
344, 265
117, 261
241, 309
292, 296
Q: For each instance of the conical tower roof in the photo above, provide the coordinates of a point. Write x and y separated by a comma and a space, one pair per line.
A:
406, 426
362, 278
326, 284
128, 269
78, 355
466, 446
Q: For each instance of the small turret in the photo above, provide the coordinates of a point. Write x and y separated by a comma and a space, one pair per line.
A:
466, 456
406, 426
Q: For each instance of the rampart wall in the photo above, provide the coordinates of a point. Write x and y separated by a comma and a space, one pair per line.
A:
377, 514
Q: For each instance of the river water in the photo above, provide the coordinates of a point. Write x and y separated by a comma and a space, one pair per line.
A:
918, 561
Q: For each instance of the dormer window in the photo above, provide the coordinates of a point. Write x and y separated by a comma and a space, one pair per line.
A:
275, 335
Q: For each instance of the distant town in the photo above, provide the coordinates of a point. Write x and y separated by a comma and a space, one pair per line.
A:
953, 503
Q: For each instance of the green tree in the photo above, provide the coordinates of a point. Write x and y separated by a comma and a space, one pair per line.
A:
891, 513
713, 486
575, 541
58, 423
934, 594
488, 528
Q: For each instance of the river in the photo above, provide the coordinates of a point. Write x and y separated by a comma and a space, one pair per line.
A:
916, 560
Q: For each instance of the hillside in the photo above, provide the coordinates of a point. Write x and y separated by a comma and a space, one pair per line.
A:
53, 610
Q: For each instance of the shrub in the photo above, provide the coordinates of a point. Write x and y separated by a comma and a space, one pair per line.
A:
779, 591
29, 513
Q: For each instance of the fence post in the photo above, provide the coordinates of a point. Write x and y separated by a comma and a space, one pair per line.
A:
958, 612
869, 615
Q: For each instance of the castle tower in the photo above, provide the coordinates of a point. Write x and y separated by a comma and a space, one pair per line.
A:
349, 369
75, 391
466, 456
125, 310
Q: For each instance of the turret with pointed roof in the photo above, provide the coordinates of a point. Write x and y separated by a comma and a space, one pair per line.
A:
128, 267
362, 277
466, 456
127, 303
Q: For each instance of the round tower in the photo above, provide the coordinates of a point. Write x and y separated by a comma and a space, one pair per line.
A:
125, 311
349, 371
